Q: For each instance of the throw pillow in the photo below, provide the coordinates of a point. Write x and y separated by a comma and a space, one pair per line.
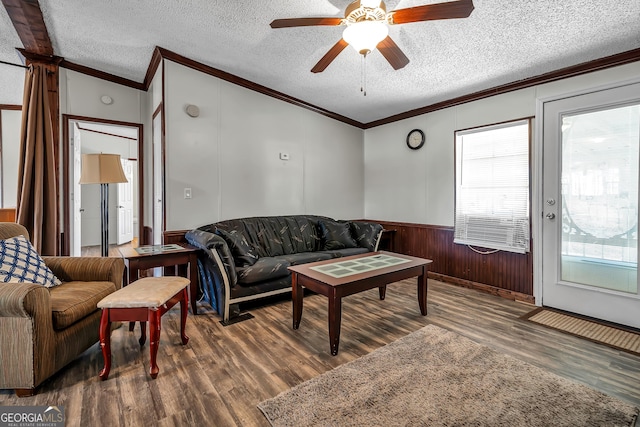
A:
336, 235
243, 254
19, 262
366, 234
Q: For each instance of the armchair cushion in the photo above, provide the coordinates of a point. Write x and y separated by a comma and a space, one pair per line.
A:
89, 269
19, 262
76, 300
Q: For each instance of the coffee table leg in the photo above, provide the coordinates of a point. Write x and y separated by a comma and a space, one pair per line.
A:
383, 291
335, 316
297, 293
422, 292
154, 338
184, 308
105, 343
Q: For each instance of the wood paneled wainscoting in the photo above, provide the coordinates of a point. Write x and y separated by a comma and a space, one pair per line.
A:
506, 274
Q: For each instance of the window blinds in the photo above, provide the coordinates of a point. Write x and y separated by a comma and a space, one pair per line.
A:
492, 187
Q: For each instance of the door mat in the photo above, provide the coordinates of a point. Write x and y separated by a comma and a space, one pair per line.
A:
615, 336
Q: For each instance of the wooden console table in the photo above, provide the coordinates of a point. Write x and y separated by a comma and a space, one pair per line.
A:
183, 260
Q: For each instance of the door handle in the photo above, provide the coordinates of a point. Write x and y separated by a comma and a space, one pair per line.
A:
550, 215
120, 207
81, 210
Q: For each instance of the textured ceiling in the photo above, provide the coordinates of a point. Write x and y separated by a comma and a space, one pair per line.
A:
500, 42
11, 78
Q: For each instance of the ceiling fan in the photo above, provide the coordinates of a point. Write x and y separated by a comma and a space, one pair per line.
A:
367, 27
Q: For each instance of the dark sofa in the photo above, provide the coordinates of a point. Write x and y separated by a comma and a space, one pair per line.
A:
247, 258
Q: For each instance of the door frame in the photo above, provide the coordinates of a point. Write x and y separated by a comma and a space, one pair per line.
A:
158, 176
66, 210
537, 207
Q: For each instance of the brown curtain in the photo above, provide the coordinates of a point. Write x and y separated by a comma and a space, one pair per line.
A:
37, 187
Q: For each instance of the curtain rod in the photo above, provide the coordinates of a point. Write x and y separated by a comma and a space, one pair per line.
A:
15, 65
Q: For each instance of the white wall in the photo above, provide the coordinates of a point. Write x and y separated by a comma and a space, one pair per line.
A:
418, 186
229, 155
11, 121
80, 95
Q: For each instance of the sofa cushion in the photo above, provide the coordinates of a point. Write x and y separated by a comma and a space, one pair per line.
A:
243, 253
306, 257
73, 301
20, 262
366, 234
337, 253
265, 268
336, 235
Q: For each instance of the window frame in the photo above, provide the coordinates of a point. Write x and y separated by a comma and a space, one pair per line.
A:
503, 124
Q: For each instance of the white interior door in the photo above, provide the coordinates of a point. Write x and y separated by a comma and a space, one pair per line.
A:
125, 204
76, 196
591, 157
157, 181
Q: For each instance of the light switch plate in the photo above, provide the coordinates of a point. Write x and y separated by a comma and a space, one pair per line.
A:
187, 193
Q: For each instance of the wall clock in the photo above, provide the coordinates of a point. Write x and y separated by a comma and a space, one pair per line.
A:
415, 139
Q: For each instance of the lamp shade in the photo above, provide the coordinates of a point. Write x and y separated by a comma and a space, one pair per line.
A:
364, 36
101, 169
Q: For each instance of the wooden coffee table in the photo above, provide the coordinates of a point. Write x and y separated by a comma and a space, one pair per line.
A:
338, 278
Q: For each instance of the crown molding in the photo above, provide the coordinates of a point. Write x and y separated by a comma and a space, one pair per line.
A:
563, 73
231, 78
160, 53
156, 59
101, 75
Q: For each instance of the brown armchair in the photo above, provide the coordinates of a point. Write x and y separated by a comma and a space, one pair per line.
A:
43, 329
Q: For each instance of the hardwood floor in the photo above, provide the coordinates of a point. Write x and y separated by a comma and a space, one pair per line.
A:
220, 376
93, 251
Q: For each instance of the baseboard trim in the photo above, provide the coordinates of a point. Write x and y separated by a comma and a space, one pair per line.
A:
504, 293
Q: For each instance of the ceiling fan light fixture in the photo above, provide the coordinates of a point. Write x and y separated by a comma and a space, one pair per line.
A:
364, 36
372, 4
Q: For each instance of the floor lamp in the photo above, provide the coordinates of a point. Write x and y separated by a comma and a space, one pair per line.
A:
103, 169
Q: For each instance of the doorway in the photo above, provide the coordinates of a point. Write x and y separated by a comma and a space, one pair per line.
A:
590, 170
84, 135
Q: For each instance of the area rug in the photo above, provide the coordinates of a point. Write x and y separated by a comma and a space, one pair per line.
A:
434, 377
612, 336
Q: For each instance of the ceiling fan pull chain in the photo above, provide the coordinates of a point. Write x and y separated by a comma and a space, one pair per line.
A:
363, 74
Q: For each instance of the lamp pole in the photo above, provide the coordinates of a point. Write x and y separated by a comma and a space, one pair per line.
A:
104, 218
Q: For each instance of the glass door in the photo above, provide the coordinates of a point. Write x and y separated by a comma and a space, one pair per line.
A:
591, 146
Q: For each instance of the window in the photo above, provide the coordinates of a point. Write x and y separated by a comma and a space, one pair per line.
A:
492, 187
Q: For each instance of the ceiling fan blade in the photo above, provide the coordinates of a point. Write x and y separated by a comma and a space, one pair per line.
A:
329, 56
431, 12
392, 53
304, 22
